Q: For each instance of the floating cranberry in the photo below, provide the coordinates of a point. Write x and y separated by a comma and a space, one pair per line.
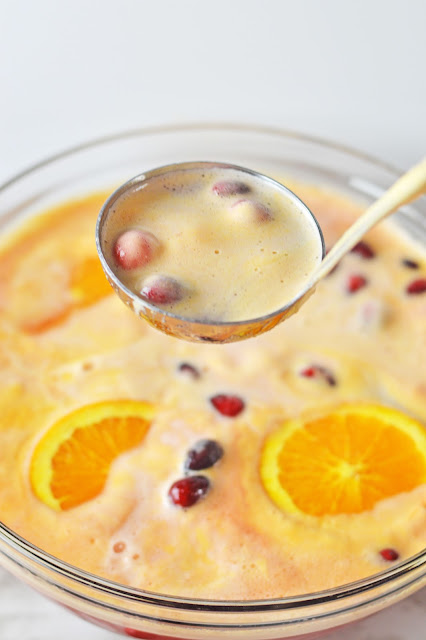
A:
228, 188
372, 315
416, 287
187, 491
389, 554
189, 370
251, 211
162, 290
135, 248
119, 547
410, 264
204, 454
364, 250
230, 406
321, 373
355, 283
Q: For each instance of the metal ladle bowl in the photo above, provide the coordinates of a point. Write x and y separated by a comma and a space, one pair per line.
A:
184, 327
409, 187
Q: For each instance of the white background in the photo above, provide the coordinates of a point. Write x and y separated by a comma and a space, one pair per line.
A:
352, 71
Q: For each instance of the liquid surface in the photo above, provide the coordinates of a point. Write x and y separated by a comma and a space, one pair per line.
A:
212, 244
360, 338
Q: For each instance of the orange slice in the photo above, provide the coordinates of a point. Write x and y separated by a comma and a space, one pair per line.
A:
70, 463
88, 285
343, 462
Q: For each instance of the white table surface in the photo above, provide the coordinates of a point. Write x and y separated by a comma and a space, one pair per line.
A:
75, 70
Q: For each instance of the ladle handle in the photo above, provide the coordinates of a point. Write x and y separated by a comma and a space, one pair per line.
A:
406, 189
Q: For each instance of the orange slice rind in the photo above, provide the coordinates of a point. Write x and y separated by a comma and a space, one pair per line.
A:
343, 462
71, 461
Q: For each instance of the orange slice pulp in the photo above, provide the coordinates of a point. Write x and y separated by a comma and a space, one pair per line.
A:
88, 283
71, 461
343, 462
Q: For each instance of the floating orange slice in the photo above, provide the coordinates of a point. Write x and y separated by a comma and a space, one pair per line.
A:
70, 463
343, 462
88, 284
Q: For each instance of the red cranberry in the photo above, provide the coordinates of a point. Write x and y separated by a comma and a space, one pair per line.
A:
316, 371
355, 283
189, 370
227, 188
230, 406
250, 210
364, 250
389, 554
162, 290
372, 315
410, 264
203, 455
416, 287
187, 491
135, 248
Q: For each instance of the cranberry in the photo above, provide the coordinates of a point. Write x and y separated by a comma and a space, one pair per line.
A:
135, 248
316, 371
119, 547
416, 287
162, 290
410, 264
251, 211
189, 370
372, 315
389, 554
355, 283
228, 188
187, 491
364, 250
230, 406
203, 455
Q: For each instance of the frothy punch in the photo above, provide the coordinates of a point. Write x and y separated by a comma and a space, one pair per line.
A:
204, 251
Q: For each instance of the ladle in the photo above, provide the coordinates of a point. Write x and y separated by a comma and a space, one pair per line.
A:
406, 189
